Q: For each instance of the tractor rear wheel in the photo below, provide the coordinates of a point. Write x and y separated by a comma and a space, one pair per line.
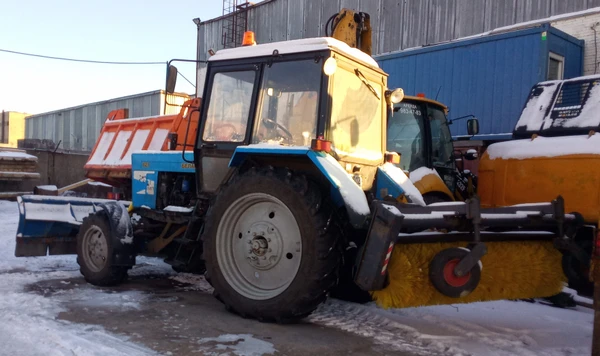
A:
269, 246
95, 252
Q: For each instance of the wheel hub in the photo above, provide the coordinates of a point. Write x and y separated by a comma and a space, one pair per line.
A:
94, 243
451, 278
266, 245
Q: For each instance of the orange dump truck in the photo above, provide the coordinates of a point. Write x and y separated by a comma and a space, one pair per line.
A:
556, 152
110, 161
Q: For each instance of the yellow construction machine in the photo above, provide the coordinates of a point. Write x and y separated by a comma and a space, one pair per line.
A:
556, 151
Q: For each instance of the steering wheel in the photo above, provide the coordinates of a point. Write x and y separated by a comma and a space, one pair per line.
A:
287, 132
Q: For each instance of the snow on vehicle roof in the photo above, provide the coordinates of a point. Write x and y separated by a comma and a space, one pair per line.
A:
294, 46
545, 147
557, 104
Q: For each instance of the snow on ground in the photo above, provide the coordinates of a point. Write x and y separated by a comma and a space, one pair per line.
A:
29, 323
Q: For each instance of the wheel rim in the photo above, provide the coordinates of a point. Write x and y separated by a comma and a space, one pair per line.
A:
451, 278
258, 246
95, 249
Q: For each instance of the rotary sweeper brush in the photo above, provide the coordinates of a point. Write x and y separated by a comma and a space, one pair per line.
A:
280, 177
487, 262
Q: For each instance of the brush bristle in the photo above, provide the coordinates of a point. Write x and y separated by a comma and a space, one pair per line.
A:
511, 270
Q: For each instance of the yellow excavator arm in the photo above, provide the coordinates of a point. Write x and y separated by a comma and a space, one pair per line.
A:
352, 28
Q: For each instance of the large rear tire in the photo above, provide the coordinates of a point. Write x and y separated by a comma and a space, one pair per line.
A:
269, 248
95, 252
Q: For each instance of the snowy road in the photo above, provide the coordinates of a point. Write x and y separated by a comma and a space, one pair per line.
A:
47, 309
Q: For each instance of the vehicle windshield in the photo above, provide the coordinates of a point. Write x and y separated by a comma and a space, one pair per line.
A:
405, 135
441, 146
290, 96
356, 113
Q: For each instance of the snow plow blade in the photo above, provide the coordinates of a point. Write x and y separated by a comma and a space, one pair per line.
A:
457, 253
48, 225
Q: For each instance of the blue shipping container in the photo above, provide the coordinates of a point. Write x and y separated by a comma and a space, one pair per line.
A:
489, 76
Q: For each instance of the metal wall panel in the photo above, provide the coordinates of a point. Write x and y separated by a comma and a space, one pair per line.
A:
78, 128
488, 77
396, 24
295, 15
440, 21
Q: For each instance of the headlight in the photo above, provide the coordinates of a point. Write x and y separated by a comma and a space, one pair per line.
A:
394, 96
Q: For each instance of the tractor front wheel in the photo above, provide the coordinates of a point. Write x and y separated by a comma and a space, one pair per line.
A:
95, 252
269, 248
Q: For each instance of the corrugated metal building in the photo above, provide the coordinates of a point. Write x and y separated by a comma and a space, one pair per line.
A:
396, 24
77, 128
488, 76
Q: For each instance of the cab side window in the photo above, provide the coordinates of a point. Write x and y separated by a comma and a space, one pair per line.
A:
229, 106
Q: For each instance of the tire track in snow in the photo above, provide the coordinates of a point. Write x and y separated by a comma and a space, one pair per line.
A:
363, 321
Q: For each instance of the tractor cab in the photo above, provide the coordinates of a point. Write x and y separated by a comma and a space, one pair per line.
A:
418, 130
254, 95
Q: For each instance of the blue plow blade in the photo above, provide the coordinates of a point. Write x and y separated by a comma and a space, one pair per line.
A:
48, 225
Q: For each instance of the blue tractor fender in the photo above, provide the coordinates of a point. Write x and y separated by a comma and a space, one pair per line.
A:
344, 191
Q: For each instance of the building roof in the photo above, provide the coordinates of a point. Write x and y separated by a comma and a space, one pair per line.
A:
294, 46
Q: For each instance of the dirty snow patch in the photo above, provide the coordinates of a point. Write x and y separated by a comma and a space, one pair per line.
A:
240, 345
193, 282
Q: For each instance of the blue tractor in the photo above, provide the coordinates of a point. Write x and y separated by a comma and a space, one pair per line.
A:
288, 194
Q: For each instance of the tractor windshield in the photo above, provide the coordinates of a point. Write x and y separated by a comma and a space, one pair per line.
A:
290, 96
356, 113
406, 135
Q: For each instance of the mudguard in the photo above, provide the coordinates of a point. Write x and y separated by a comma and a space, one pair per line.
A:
344, 191
49, 224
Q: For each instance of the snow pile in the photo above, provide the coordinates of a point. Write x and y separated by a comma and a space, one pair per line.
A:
16, 155
241, 345
420, 173
399, 177
546, 147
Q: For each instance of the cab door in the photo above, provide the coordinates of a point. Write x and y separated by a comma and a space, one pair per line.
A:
227, 120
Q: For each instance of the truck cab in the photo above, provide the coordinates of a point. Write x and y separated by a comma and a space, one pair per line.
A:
418, 130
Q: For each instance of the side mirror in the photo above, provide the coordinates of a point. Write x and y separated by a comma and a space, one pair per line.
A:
471, 155
472, 127
171, 79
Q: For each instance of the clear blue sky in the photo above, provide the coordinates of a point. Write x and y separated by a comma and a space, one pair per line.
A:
107, 30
